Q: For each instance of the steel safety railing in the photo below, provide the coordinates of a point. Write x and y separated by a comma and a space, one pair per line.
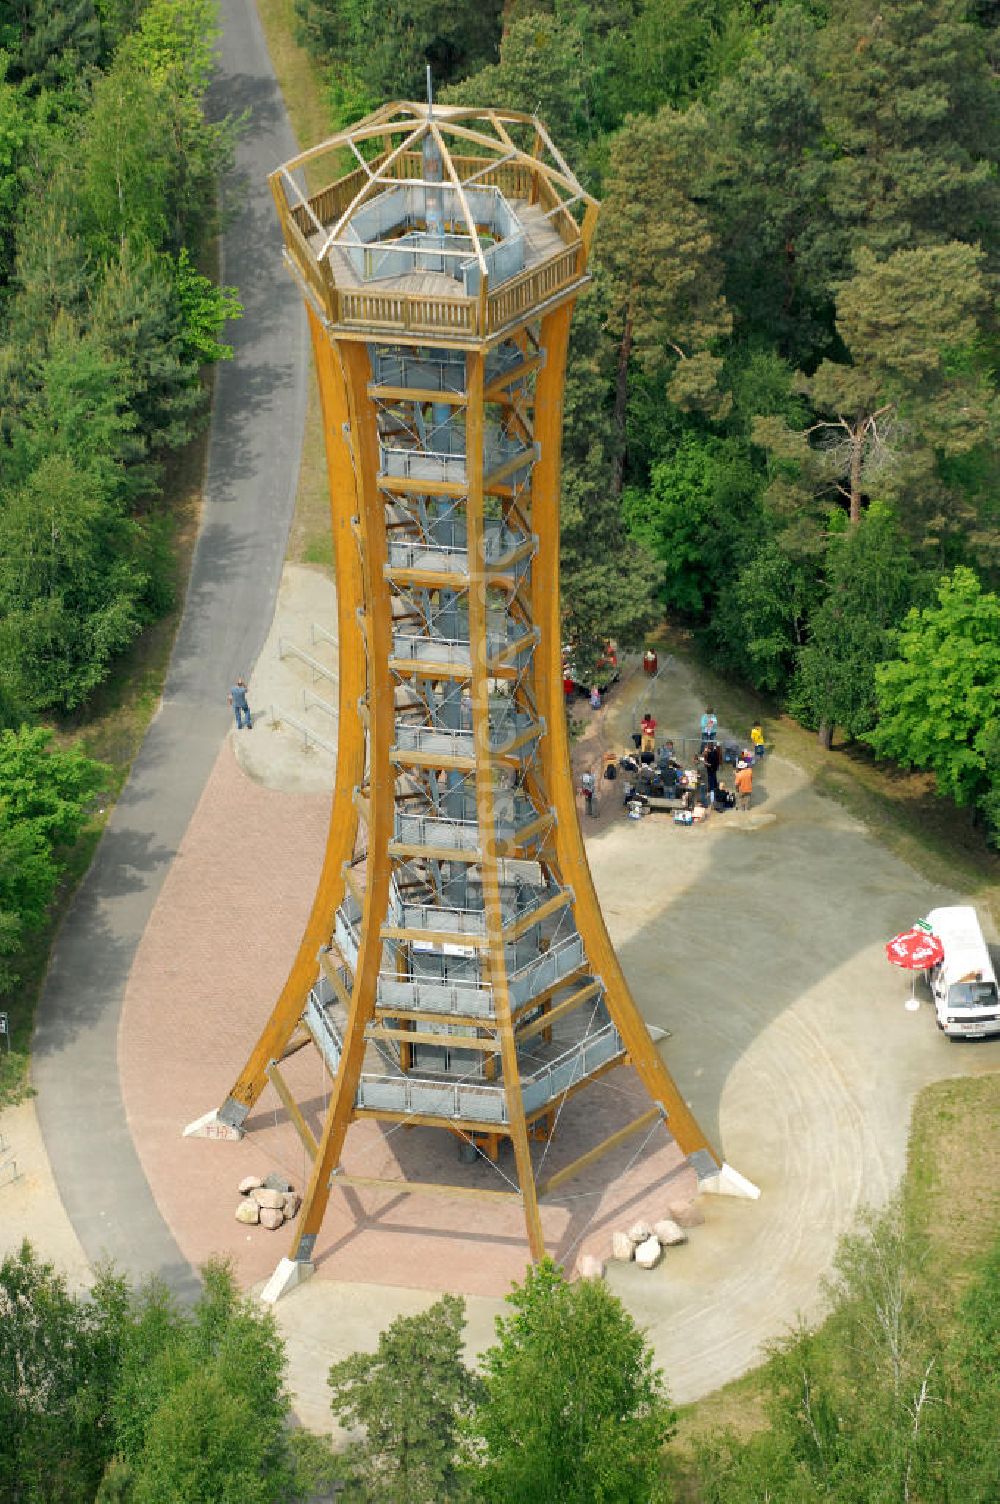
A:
546, 970
509, 817
417, 993
479, 1101
474, 997
436, 830
445, 550
323, 1030
441, 373
401, 462
444, 650
466, 1101
347, 934
456, 651
505, 727
518, 900
427, 554
563, 1073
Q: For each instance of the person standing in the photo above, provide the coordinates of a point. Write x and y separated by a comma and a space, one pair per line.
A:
241, 709
647, 732
595, 697
712, 758
709, 726
757, 739
588, 790
744, 784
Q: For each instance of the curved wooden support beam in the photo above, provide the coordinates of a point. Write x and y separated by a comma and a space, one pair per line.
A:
342, 830
381, 713
555, 754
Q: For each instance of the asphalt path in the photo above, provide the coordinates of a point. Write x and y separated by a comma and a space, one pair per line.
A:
253, 458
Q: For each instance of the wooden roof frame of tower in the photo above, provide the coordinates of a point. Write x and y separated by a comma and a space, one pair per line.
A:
311, 222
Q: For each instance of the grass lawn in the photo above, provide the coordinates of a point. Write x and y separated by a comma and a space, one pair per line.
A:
951, 1191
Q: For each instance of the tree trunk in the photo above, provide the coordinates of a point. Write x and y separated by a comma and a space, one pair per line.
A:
621, 400
857, 453
825, 735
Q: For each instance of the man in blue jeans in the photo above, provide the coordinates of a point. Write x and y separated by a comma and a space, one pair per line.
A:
241, 710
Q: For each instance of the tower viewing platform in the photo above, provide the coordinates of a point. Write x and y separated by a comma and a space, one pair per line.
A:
446, 227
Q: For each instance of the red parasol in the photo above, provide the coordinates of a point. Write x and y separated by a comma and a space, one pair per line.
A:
915, 950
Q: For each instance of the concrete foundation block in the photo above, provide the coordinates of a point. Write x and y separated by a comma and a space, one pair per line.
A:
728, 1182
210, 1125
289, 1274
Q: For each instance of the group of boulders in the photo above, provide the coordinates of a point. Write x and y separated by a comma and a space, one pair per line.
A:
268, 1202
644, 1242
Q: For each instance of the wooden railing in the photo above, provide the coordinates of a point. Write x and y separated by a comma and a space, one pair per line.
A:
422, 313
406, 310
531, 288
317, 278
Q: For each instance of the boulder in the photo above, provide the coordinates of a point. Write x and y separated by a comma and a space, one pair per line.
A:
639, 1232
622, 1247
668, 1233
686, 1213
250, 1183
292, 1203
648, 1253
589, 1266
273, 1200
248, 1212
271, 1217
276, 1182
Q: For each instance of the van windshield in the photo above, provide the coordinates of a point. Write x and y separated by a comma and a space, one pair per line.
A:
972, 995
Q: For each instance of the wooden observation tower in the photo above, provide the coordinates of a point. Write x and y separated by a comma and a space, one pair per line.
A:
455, 970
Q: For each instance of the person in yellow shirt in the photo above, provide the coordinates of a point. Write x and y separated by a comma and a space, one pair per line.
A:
757, 739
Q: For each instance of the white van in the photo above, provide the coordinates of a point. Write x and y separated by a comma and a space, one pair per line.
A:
963, 985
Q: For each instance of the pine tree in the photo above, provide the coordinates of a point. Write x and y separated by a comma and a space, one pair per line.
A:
768, 176
911, 120
51, 41
409, 1396
914, 386
608, 579
656, 257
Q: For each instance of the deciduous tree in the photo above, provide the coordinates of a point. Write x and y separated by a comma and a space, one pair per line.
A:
574, 1410
871, 579
939, 695
389, 44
